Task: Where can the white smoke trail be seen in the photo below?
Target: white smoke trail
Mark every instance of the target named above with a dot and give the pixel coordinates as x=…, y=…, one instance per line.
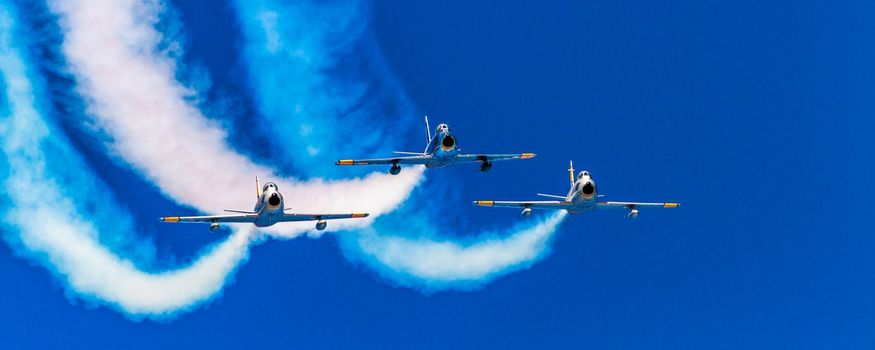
x=45, y=225
x=296, y=41
x=439, y=263
x=157, y=130
x=111, y=47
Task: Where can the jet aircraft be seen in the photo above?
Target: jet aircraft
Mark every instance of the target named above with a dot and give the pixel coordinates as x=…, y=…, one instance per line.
x=582, y=197
x=269, y=209
x=440, y=151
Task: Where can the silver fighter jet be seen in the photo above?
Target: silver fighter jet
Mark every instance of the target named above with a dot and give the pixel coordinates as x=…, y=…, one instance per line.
x=440, y=151
x=268, y=210
x=582, y=197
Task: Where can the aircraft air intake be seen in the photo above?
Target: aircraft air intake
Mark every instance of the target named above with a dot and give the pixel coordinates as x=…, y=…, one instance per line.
x=448, y=143
x=587, y=191
x=588, y=188
x=274, y=200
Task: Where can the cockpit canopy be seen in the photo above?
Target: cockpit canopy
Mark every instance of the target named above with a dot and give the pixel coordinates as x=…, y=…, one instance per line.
x=582, y=174
x=443, y=127
x=269, y=185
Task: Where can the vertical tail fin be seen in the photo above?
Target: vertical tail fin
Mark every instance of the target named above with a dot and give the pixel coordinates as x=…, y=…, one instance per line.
x=427, y=131
x=427, y=134
x=257, y=188
x=571, y=172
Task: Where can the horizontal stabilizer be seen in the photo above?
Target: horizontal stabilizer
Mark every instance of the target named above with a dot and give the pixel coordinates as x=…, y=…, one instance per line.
x=409, y=153
x=551, y=195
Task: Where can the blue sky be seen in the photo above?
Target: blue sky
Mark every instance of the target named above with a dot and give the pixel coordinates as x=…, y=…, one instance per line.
x=753, y=115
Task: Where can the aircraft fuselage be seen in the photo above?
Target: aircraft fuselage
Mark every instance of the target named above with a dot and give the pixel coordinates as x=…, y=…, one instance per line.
x=270, y=206
x=442, y=147
x=583, y=194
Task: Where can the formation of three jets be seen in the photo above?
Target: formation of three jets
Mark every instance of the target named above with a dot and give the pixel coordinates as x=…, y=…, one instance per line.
x=441, y=150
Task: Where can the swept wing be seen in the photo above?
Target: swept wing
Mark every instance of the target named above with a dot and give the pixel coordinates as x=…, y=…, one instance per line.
x=470, y=158
x=420, y=159
x=632, y=205
x=526, y=204
x=252, y=217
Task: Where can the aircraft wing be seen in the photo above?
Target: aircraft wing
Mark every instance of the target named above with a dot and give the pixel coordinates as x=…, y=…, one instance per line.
x=252, y=217
x=309, y=217
x=465, y=158
x=419, y=159
x=211, y=218
x=526, y=204
x=631, y=205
